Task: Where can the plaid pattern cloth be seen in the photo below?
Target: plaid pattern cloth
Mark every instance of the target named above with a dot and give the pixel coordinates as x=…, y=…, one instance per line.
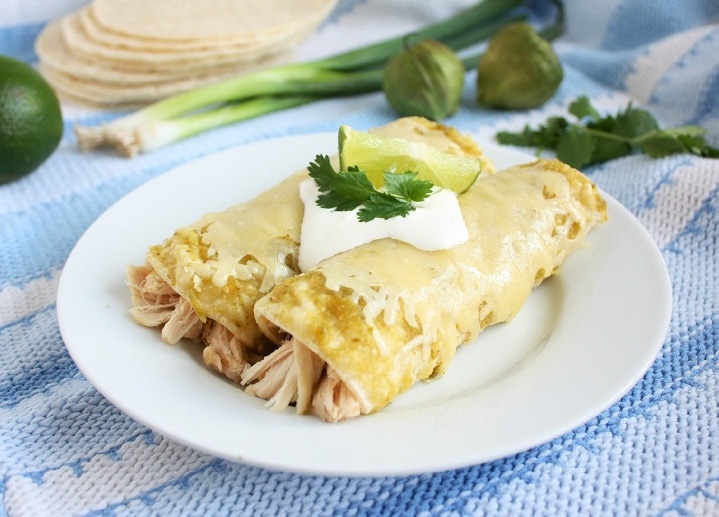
x=65, y=450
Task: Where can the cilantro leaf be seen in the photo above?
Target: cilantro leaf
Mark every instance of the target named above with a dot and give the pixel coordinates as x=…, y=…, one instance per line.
x=594, y=138
x=347, y=190
x=384, y=206
x=659, y=143
x=343, y=192
x=581, y=108
x=322, y=172
x=609, y=149
x=406, y=186
x=662, y=142
x=575, y=147
x=634, y=122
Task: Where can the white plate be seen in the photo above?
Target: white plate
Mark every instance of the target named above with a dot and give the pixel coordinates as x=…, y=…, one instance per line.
x=582, y=340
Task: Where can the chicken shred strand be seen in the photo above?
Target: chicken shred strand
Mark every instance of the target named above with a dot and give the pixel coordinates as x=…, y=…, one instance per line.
x=183, y=323
x=293, y=373
x=153, y=300
x=224, y=352
x=156, y=304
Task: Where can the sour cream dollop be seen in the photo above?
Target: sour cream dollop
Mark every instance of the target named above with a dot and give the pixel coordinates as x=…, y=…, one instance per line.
x=436, y=224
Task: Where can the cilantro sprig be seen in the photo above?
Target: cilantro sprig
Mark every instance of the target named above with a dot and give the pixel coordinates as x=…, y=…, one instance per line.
x=351, y=189
x=593, y=138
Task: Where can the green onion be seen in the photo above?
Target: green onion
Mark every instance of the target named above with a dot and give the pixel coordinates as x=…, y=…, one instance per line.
x=286, y=86
x=470, y=19
x=158, y=133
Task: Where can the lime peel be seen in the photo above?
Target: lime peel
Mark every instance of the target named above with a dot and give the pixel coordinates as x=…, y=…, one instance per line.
x=375, y=155
x=31, y=124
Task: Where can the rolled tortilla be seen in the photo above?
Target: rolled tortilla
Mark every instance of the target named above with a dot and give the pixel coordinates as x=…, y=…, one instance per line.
x=366, y=324
x=203, y=281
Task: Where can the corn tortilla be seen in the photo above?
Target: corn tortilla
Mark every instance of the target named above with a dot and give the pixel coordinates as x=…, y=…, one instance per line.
x=118, y=94
x=54, y=55
x=79, y=44
x=129, y=53
x=240, y=21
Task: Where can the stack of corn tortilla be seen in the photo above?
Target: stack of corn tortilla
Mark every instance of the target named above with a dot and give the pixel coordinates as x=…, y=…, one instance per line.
x=128, y=53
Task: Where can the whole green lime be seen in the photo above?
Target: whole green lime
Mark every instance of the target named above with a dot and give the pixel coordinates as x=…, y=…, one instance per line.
x=30, y=119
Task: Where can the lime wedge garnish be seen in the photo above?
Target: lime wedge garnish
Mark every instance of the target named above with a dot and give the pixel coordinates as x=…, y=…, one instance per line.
x=376, y=154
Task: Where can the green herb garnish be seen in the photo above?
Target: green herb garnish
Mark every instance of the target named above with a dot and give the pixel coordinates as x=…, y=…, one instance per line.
x=593, y=138
x=351, y=189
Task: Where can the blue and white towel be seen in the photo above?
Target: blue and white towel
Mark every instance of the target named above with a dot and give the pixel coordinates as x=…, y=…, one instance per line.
x=65, y=450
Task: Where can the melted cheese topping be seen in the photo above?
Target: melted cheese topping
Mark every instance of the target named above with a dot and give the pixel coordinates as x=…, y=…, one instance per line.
x=520, y=234
x=258, y=241
x=387, y=314
x=226, y=260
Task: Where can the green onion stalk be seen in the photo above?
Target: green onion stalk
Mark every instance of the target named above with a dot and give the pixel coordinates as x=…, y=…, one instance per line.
x=285, y=86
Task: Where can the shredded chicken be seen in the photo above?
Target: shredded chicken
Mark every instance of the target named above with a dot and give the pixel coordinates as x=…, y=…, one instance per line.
x=290, y=375
x=156, y=304
x=184, y=323
x=153, y=300
x=224, y=352
x=270, y=376
x=333, y=401
x=295, y=374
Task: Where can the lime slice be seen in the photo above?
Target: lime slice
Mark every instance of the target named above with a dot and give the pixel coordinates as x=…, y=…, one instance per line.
x=376, y=154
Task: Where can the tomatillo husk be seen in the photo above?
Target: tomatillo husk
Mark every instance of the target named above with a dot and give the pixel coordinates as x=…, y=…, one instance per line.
x=425, y=80
x=519, y=70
